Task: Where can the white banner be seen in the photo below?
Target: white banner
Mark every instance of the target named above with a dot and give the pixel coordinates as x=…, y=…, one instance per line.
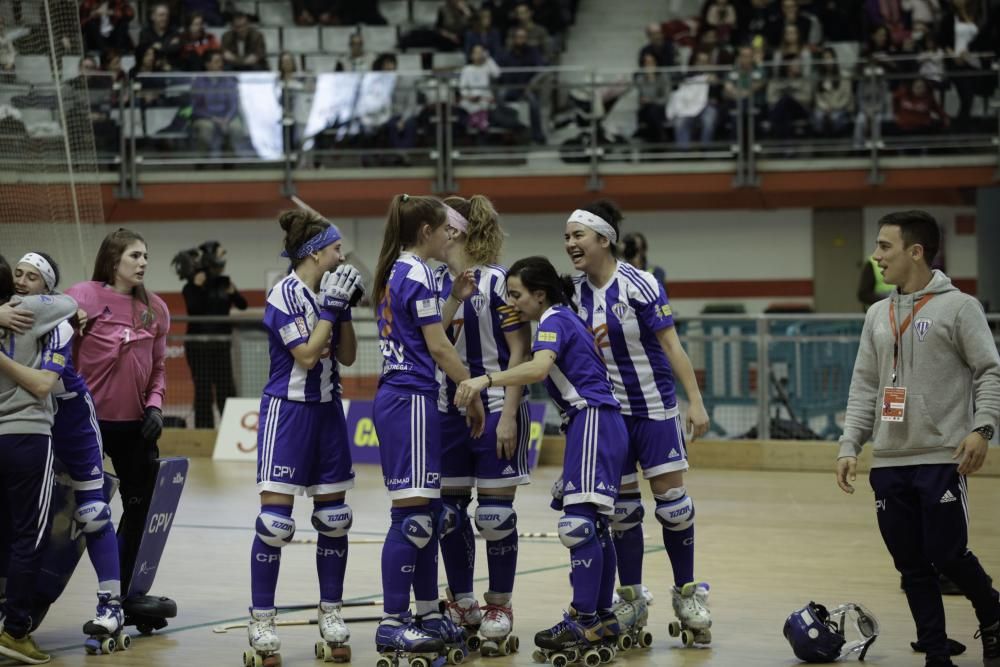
x=237, y=438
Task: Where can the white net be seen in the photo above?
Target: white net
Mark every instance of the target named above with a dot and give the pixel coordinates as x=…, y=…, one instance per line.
x=50, y=192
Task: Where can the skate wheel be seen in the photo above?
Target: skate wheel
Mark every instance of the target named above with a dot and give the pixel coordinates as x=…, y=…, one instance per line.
x=514, y=643
x=538, y=656
x=645, y=639
x=383, y=662
x=504, y=647
x=248, y=658
x=108, y=645
x=474, y=642
x=455, y=656
x=319, y=650
x=419, y=661
x=341, y=653
x=573, y=655
x=687, y=637
x=606, y=654
x=592, y=658
x=124, y=642
x=674, y=629
x=489, y=648
x=625, y=642
x=559, y=660
x=705, y=637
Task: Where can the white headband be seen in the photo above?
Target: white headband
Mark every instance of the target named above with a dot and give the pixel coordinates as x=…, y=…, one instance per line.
x=42, y=264
x=597, y=223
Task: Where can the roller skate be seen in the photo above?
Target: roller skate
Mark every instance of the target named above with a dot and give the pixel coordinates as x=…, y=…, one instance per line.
x=333, y=645
x=264, y=642
x=632, y=611
x=106, y=633
x=498, y=620
x=465, y=613
x=693, y=616
x=397, y=637
x=569, y=641
x=439, y=625
x=612, y=636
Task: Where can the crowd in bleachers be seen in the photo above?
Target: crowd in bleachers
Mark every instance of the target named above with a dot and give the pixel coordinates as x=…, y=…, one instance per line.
x=817, y=68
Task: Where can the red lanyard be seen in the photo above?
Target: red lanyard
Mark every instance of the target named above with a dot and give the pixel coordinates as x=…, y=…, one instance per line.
x=897, y=335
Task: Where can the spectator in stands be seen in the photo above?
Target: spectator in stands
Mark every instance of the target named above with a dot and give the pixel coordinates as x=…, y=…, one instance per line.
x=888, y=13
x=150, y=88
x=926, y=12
x=760, y=18
x=448, y=34
x=475, y=89
x=95, y=98
x=311, y=12
x=210, y=11
x=718, y=52
x=195, y=42
x=960, y=28
x=879, y=51
x=789, y=98
x=634, y=249
x=658, y=45
x=792, y=48
x=654, y=91
x=537, y=36
x=555, y=17
x=521, y=55
x=746, y=81
x=162, y=37
x=721, y=15
x=695, y=103
x=243, y=46
x=215, y=109
x=357, y=59
x=760, y=51
x=834, y=97
x=916, y=109
x=105, y=24
x=792, y=15
x=482, y=33
x=404, y=113
x=931, y=61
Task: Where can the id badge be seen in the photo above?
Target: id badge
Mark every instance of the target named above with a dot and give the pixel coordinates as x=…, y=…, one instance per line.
x=893, y=404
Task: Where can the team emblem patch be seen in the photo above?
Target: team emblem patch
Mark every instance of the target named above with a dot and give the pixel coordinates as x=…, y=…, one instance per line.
x=620, y=309
x=478, y=302
x=921, y=326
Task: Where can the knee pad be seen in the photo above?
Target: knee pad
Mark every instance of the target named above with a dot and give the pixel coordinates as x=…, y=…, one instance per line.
x=628, y=514
x=418, y=529
x=275, y=530
x=333, y=521
x=674, y=509
x=575, y=531
x=453, y=514
x=495, y=522
x=92, y=516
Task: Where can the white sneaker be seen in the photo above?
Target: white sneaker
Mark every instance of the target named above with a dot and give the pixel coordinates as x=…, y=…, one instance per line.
x=332, y=627
x=261, y=632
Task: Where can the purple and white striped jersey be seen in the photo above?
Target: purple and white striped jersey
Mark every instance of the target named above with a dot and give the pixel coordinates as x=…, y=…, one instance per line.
x=579, y=378
x=477, y=331
x=409, y=303
x=625, y=316
x=290, y=316
x=58, y=358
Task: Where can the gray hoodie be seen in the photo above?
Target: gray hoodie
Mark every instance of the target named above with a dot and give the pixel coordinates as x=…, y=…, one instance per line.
x=949, y=365
x=20, y=412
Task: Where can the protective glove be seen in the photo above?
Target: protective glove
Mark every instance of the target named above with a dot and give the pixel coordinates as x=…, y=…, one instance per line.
x=152, y=424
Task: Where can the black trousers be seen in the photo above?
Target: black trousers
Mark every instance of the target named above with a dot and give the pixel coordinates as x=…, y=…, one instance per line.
x=26, y=479
x=133, y=458
x=923, y=517
x=212, y=372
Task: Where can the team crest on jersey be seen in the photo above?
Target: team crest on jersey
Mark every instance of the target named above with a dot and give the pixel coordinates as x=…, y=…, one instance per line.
x=478, y=302
x=922, y=326
x=621, y=310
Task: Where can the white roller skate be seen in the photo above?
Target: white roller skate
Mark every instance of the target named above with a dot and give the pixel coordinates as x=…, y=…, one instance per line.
x=498, y=621
x=106, y=633
x=632, y=611
x=693, y=616
x=398, y=637
x=333, y=645
x=465, y=613
x=264, y=642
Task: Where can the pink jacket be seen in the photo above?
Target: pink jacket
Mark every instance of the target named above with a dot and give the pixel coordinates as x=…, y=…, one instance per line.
x=123, y=365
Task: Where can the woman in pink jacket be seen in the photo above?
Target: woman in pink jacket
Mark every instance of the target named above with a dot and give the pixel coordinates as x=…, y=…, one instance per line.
x=121, y=356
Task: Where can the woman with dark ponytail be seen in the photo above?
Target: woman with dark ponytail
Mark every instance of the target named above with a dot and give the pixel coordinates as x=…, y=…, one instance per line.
x=566, y=358
x=414, y=345
x=489, y=337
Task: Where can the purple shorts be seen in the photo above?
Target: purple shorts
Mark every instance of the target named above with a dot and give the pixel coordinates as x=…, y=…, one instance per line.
x=467, y=461
x=596, y=446
x=409, y=443
x=302, y=448
x=657, y=446
x=76, y=441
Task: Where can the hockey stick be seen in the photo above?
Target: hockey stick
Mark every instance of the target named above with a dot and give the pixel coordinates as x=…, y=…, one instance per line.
x=222, y=629
x=303, y=607
x=528, y=535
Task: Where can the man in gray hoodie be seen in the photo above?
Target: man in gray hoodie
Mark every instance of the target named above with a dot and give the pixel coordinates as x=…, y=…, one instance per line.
x=926, y=390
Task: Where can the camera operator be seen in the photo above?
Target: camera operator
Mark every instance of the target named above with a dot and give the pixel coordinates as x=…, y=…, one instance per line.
x=208, y=292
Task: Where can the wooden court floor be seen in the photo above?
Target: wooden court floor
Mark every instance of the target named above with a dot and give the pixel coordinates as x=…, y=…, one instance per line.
x=768, y=542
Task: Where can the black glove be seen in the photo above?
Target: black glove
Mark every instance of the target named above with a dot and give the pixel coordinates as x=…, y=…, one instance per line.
x=152, y=424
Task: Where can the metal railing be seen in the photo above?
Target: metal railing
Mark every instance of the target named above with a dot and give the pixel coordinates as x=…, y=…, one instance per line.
x=761, y=377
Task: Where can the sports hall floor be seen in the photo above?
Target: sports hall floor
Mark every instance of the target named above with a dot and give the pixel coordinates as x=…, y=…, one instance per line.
x=768, y=542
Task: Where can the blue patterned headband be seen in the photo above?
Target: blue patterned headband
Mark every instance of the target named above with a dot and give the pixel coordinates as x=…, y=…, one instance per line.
x=328, y=236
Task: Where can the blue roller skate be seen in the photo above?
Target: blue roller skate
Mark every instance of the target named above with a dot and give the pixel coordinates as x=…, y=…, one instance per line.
x=106, y=633
x=439, y=625
x=398, y=637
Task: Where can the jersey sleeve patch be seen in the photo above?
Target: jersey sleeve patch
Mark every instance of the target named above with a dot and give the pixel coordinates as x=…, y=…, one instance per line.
x=547, y=336
x=427, y=307
x=294, y=330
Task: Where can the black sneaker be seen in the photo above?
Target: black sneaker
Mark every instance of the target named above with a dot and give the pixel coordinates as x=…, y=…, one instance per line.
x=954, y=647
x=991, y=644
x=939, y=662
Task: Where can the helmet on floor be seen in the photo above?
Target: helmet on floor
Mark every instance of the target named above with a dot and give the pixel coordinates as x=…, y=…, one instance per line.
x=817, y=634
